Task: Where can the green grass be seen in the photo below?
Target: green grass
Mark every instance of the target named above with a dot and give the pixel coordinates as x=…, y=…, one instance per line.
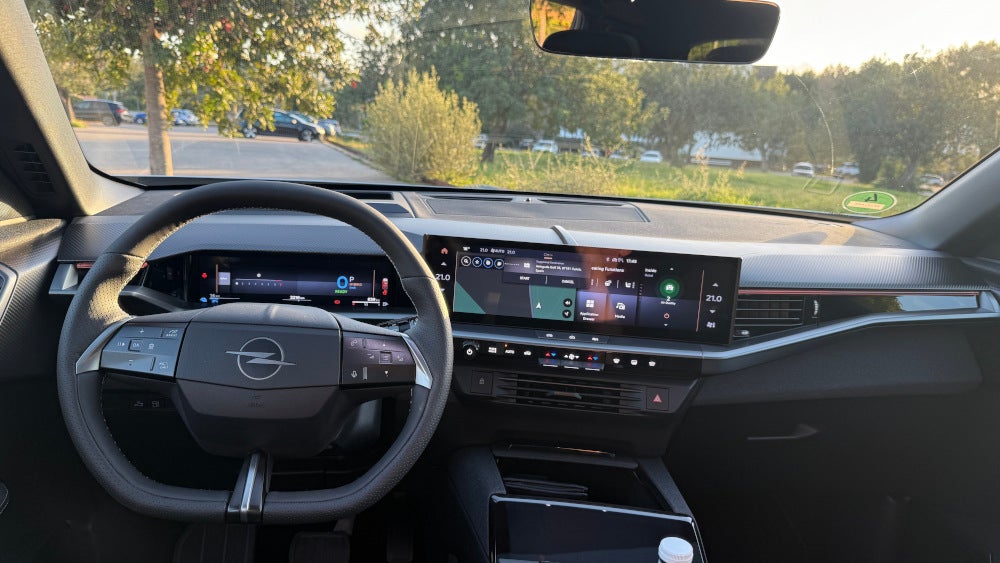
x=569, y=173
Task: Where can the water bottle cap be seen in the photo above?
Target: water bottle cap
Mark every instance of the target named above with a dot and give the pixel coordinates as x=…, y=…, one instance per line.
x=676, y=550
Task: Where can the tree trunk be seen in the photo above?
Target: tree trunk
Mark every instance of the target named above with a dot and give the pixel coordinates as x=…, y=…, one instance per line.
x=763, y=159
x=908, y=173
x=161, y=162
x=67, y=101
x=489, y=152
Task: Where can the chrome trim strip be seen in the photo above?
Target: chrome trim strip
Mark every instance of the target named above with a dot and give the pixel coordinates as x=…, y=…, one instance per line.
x=856, y=293
x=90, y=360
x=423, y=377
x=989, y=309
x=248, y=487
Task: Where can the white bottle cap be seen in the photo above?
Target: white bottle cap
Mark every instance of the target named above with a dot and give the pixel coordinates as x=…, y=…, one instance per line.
x=675, y=550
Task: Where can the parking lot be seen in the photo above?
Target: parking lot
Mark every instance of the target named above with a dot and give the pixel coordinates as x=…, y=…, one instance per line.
x=197, y=151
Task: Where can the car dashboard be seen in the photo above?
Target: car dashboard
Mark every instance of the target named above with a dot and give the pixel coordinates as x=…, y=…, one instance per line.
x=629, y=309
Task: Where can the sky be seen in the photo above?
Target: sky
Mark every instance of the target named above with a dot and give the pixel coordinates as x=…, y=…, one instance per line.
x=817, y=33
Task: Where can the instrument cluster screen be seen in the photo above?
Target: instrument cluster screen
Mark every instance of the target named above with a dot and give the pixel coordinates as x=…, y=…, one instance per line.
x=336, y=283
x=598, y=290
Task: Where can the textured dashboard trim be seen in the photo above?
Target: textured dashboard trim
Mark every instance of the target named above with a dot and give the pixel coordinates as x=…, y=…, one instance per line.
x=8, y=279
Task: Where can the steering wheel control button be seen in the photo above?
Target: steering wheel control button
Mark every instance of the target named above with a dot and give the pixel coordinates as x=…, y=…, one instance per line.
x=127, y=361
x=385, y=360
x=143, y=349
x=140, y=331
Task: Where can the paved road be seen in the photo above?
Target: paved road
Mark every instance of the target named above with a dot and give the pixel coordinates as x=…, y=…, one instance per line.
x=202, y=152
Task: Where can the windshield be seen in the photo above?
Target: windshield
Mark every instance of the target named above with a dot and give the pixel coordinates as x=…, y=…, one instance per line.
x=868, y=109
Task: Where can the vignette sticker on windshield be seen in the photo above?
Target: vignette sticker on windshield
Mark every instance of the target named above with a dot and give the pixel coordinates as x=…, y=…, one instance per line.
x=869, y=202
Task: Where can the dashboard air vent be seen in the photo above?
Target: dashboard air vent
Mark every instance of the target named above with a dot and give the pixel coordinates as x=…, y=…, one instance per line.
x=31, y=169
x=569, y=393
x=763, y=314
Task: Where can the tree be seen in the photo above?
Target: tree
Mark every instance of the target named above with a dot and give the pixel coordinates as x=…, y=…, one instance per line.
x=420, y=132
x=698, y=98
x=767, y=122
x=488, y=55
x=74, y=70
x=246, y=55
x=606, y=102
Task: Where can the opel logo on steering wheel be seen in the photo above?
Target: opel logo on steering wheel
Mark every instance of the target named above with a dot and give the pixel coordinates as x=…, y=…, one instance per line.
x=260, y=358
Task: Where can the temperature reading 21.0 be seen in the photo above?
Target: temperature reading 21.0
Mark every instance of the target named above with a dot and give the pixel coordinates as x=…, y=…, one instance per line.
x=713, y=298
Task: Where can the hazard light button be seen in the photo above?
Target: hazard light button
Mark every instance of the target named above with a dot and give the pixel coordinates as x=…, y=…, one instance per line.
x=657, y=399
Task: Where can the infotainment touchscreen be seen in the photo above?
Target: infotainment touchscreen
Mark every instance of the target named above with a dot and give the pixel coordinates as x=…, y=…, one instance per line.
x=584, y=289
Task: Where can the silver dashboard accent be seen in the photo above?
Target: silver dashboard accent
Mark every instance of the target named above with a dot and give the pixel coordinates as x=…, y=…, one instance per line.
x=248, y=487
x=720, y=359
x=90, y=360
x=423, y=377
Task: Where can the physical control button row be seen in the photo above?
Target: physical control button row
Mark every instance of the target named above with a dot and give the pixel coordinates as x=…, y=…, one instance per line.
x=144, y=349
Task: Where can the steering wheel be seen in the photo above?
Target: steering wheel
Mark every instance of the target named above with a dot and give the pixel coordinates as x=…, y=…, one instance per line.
x=252, y=380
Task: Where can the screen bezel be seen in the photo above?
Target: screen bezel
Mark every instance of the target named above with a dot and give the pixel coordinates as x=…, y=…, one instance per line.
x=432, y=243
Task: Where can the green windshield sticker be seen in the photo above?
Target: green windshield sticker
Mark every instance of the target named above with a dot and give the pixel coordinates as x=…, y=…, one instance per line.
x=869, y=202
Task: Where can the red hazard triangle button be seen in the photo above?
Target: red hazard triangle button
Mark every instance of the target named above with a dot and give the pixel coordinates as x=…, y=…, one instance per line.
x=657, y=399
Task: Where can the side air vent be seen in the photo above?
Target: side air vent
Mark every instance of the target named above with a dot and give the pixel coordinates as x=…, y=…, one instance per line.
x=763, y=314
x=569, y=393
x=31, y=169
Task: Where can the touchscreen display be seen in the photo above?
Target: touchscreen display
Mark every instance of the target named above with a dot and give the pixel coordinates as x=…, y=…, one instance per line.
x=599, y=290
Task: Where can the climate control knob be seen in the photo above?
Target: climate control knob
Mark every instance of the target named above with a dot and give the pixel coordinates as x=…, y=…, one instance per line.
x=470, y=349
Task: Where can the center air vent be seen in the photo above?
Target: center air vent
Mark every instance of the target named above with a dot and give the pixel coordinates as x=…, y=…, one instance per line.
x=31, y=169
x=763, y=314
x=569, y=393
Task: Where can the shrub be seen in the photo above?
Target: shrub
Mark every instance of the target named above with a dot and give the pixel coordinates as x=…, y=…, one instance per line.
x=421, y=133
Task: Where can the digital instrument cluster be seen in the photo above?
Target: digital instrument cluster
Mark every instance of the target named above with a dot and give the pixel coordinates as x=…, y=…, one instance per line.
x=337, y=283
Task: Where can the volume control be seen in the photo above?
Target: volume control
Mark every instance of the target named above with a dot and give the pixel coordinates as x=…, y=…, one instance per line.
x=470, y=349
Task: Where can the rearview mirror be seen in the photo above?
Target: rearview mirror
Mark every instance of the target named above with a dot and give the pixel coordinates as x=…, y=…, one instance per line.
x=704, y=31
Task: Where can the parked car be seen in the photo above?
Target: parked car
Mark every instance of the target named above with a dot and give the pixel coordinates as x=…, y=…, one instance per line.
x=847, y=169
x=651, y=156
x=932, y=180
x=184, y=117
x=525, y=144
x=286, y=124
x=591, y=152
x=804, y=169
x=179, y=117
x=548, y=146
x=618, y=155
x=108, y=112
x=332, y=127
x=480, y=141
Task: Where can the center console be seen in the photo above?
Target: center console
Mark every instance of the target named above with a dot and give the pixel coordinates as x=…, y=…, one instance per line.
x=581, y=328
x=614, y=335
